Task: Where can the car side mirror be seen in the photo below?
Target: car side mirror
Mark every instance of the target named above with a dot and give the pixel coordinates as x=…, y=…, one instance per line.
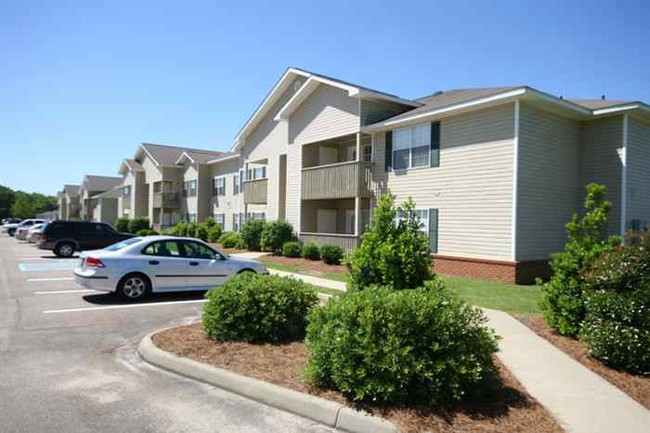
x=218, y=256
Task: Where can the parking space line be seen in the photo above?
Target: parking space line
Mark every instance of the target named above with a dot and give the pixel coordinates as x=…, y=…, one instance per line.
x=117, y=307
x=38, y=280
x=58, y=292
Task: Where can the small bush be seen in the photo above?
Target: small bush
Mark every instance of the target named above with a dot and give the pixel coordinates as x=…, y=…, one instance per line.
x=147, y=232
x=332, y=254
x=399, y=347
x=214, y=233
x=231, y=240
x=251, y=233
x=191, y=230
x=210, y=223
x=258, y=309
x=201, y=232
x=617, y=322
x=137, y=224
x=310, y=251
x=181, y=229
x=291, y=249
x=274, y=236
x=122, y=225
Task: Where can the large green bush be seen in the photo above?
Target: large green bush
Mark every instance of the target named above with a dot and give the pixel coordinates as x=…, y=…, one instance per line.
x=251, y=233
x=274, y=235
x=147, y=232
x=617, y=322
x=190, y=231
x=201, y=232
x=563, y=296
x=399, y=347
x=210, y=222
x=122, y=225
x=137, y=224
x=310, y=251
x=258, y=309
x=214, y=233
x=180, y=229
x=392, y=254
x=291, y=249
x=231, y=240
x=332, y=254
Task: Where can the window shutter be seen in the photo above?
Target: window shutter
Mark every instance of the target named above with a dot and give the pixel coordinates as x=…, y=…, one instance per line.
x=435, y=144
x=433, y=230
x=389, y=151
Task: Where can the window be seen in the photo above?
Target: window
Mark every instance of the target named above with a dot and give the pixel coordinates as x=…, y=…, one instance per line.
x=125, y=243
x=235, y=184
x=189, y=188
x=255, y=216
x=412, y=147
x=189, y=217
x=195, y=250
x=126, y=191
x=235, y=222
x=367, y=153
x=163, y=249
x=220, y=219
x=428, y=224
x=219, y=186
x=256, y=173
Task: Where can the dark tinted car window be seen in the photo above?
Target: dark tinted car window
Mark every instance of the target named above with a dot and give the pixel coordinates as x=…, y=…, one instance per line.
x=195, y=250
x=163, y=249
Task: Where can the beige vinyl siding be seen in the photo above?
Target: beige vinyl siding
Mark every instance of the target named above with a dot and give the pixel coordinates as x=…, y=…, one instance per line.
x=548, y=181
x=472, y=187
x=376, y=111
x=190, y=204
x=328, y=112
x=128, y=179
x=230, y=203
x=638, y=171
x=294, y=175
x=600, y=141
x=152, y=174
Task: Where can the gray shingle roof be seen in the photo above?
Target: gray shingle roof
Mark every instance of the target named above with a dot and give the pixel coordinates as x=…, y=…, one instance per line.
x=71, y=189
x=224, y=156
x=165, y=154
x=595, y=104
x=101, y=183
x=203, y=156
x=111, y=193
x=133, y=164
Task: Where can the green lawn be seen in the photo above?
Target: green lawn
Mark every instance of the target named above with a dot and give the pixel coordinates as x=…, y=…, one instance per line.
x=498, y=296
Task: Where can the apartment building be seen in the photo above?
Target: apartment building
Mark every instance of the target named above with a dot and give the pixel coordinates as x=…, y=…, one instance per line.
x=89, y=193
x=69, y=206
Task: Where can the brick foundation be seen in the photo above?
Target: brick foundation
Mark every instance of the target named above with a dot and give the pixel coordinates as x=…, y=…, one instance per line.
x=492, y=270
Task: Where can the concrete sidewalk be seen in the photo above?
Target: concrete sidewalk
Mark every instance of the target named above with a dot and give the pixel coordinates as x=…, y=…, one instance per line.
x=579, y=399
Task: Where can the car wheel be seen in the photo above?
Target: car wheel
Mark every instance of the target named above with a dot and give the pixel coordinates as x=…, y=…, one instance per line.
x=64, y=249
x=134, y=286
x=11, y=232
x=246, y=271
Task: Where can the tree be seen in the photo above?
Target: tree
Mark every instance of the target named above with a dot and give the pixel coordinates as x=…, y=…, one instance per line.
x=29, y=205
x=7, y=197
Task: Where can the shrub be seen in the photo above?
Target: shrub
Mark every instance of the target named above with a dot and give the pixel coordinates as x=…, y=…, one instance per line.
x=147, y=232
x=251, y=233
x=191, y=230
x=231, y=240
x=201, y=232
x=214, y=233
x=392, y=254
x=258, y=309
x=617, y=322
x=122, y=225
x=310, y=251
x=562, y=300
x=274, y=235
x=210, y=222
x=291, y=249
x=137, y=224
x=332, y=254
x=181, y=229
x=398, y=347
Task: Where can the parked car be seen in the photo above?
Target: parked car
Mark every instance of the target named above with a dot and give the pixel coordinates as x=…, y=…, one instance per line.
x=34, y=234
x=12, y=229
x=136, y=267
x=10, y=221
x=66, y=237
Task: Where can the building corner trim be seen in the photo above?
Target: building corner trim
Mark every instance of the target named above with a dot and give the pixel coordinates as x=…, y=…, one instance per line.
x=515, y=178
x=624, y=177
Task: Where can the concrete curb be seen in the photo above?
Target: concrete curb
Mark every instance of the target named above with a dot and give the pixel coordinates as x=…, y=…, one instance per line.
x=323, y=411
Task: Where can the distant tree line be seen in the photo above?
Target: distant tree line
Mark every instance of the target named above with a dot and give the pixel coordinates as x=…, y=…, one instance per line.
x=20, y=204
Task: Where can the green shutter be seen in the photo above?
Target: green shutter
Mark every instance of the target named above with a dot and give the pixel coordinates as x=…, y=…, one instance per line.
x=435, y=144
x=433, y=230
x=389, y=151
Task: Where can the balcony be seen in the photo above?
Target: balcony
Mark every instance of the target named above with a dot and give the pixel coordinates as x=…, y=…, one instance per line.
x=333, y=181
x=255, y=191
x=347, y=242
x=171, y=200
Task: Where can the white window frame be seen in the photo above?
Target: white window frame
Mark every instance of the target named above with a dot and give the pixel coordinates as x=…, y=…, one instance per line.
x=424, y=220
x=414, y=132
x=219, y=185
x=220, y=218
x=235, y=183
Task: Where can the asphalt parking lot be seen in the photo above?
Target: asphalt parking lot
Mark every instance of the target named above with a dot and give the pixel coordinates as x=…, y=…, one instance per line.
x=68, y=360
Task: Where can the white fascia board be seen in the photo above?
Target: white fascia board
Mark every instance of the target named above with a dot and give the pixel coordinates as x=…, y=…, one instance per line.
x=618, y=108
x=149, y=154
x=227, y=158
x=184, y=155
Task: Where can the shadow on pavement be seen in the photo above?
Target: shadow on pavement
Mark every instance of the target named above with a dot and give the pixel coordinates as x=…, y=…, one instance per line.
x=113, y=299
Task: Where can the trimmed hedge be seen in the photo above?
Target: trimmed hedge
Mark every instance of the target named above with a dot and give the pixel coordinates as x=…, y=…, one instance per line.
x=274, y=235
x=291, y=249
x=122, y=225
x=310, y=251
x=400, y=347
x=214, y=233
x=137, y=224
x=231, y=240
x=258, y=309
x=251, y=233
x=332, y=254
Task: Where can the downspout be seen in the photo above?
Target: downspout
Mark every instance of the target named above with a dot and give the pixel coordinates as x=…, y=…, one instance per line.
x=515, y=178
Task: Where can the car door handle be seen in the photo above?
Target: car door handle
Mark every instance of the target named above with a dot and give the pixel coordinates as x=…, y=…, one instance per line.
x=154, y=262
x=194, y=263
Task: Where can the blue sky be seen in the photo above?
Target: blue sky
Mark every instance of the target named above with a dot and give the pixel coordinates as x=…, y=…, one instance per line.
x=83, y=82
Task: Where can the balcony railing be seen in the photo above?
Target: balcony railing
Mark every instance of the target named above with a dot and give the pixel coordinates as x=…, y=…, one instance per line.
x=256, y=191
x=347, y=242
x=167, y=200
x=342, y=180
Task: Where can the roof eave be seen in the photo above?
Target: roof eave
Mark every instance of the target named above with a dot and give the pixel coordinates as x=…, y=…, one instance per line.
x=226, y=158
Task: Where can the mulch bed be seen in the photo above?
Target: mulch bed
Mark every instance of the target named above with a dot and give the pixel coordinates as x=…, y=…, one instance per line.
x=637, y=387
x=308, y=265
x=509, y=409
x=229, y=250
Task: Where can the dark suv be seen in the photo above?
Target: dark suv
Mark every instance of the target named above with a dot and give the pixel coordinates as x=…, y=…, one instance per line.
x=66, y=237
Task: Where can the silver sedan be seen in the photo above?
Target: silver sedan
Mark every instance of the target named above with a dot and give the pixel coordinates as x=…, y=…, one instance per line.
x=138, y=266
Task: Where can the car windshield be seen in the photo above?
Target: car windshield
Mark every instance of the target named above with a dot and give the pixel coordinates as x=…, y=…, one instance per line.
x=122, y=244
